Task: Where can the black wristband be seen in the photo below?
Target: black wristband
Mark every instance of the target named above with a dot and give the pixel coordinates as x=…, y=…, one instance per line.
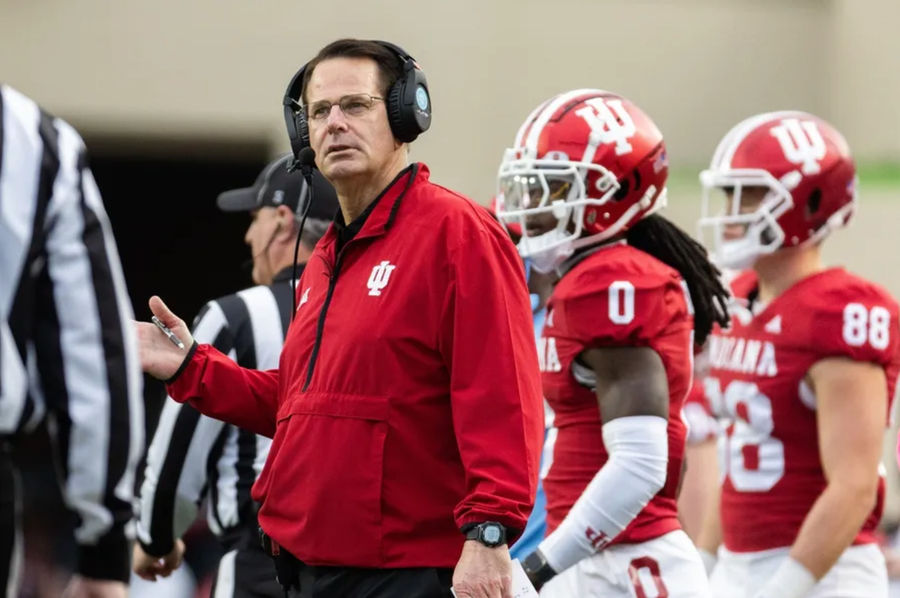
x=184, y=364
x=538, y=569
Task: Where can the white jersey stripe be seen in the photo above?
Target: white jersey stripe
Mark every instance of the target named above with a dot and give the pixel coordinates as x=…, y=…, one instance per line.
x=68, y=350
x=225, y=576
x=207, y=457
x=265, y=323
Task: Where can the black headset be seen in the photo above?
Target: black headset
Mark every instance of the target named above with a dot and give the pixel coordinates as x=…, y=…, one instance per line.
x=408, y=103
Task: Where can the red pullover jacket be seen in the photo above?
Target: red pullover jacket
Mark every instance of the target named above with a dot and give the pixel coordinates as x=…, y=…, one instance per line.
x=407, y=402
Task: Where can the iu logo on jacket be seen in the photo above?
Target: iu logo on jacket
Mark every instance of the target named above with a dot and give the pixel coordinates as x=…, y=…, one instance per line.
x=379, y=277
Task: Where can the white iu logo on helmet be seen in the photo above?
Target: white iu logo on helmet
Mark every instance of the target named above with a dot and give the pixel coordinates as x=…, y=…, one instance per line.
x=607, y=127
x=802, y=143
x=379, y=277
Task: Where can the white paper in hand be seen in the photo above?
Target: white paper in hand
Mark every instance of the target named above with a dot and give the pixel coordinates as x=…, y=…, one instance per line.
x=521, y=587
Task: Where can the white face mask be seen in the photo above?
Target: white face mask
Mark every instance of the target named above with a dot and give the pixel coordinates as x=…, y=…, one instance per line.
x=762, y=233
x=547, y=251
x=739, y=254
x=762, y=236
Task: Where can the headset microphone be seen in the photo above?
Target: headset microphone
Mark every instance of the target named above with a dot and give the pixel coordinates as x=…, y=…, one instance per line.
x=306, y=161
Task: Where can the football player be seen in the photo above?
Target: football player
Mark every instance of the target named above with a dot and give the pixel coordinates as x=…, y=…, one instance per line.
x=583, y=181
x=805, y=372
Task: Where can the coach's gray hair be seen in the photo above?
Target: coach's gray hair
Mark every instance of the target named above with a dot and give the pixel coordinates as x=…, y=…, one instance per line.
x=313, y=230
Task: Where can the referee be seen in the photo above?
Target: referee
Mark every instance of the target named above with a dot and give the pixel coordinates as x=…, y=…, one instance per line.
x=193, y=456
x=67, y=347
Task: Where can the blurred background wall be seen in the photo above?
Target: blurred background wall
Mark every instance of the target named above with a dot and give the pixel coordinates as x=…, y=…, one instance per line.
x=202, y=81
x=216, y=69
x=179, y=100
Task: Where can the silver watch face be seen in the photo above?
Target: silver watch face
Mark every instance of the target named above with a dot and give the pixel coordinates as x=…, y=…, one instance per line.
x=491, y=534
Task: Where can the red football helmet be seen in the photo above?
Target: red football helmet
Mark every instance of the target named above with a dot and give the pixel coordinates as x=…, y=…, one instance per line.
x=805, y=168
x=585, y=166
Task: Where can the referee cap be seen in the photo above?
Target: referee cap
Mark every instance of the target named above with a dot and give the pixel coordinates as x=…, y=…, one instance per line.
x=276, y=186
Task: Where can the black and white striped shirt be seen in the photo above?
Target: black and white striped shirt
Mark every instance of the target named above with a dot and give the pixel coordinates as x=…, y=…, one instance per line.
x=68, y=351
x=191, y=455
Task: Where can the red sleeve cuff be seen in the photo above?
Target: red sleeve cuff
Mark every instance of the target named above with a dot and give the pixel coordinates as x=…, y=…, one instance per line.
x=181, y=386
x=184, y=363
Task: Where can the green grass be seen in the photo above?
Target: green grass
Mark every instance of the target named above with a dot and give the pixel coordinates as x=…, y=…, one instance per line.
x=875, y=174
x=882, y=175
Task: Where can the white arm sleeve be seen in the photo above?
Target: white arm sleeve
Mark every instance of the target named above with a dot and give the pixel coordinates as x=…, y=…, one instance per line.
x=790, y=580
x=636, y=470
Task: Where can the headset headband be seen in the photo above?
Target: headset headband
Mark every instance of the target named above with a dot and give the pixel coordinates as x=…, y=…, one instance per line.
x=408, y=103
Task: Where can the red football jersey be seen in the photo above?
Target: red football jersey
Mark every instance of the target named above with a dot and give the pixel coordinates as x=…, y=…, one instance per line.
x=768, y=451
x=618, y=296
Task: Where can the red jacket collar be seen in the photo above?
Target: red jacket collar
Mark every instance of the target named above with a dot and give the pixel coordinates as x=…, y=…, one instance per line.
x=383, y=213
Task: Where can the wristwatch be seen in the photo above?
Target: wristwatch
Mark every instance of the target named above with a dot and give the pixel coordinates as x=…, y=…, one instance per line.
x=537, y=569
x=489, y=533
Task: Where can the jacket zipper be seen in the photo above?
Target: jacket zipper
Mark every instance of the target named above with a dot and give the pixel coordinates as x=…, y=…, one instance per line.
x=320, y=325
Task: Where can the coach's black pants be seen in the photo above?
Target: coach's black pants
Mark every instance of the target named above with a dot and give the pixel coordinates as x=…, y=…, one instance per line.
x=350, y=582
x=10, y=534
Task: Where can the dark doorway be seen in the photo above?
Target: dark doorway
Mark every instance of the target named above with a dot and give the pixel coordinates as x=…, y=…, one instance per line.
x=172, y=239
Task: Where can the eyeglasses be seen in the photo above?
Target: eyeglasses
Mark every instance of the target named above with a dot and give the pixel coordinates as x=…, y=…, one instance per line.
x=354, y=105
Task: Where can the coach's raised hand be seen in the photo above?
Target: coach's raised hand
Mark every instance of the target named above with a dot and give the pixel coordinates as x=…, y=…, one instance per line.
x=161, y=355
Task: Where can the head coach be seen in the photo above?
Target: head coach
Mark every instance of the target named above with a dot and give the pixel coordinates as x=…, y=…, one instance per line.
x=406, y=411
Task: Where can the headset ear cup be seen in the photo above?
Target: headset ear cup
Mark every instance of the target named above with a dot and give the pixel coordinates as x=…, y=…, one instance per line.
x=419, y=101
x=398, y=124
x=407, y=117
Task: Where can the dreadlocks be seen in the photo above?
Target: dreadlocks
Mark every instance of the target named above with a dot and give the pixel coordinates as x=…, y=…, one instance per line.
x=669, y=244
